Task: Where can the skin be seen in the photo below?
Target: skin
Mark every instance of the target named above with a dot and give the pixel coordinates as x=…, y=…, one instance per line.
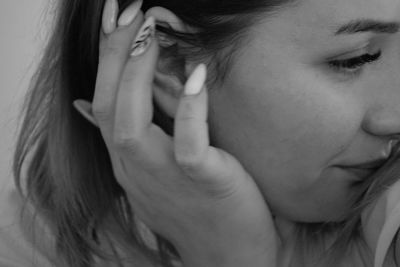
x=194, y=195
x=290, y=119
x=282, y=113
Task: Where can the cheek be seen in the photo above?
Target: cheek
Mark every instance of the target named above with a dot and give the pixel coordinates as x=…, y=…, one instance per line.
x=284, y=126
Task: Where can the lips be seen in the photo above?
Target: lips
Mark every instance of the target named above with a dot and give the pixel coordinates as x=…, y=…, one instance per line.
x=374, y=164
x=360, y=173
x=377, y=162
x=368, y=168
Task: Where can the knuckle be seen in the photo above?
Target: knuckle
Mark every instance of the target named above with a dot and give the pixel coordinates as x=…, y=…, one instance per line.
x=129, y=73
x=128, y=78
x=190, y=153
x=101, y=106
x=104, y=89
x=189, y=162
x=186, y=110
x=131, y=144
x=110, y=47
x=100, y=112
x=187, y=117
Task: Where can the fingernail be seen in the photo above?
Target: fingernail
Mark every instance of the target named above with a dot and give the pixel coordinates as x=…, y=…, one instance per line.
x=110, y=14
x=144, y=37
x=196, y=80
x=130, y=13
x=85, y=109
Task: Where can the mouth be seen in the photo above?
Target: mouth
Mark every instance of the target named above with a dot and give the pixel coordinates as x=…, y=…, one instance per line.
x=363, y=170
x=360, y=174
x=370, y=165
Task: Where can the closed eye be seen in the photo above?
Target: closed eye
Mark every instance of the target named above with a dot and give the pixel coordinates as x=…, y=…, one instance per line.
x=355, y=64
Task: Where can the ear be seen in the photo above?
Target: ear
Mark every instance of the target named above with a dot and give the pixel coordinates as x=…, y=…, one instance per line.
x=172, y=68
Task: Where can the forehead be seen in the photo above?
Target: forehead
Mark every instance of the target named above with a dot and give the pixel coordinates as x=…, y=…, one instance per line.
x=330, y=13
x=313, y=23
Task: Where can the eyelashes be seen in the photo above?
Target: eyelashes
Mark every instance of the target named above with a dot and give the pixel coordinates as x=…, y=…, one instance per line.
x=352, y=65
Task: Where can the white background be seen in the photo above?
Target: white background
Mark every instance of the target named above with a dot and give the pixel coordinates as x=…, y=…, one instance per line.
x=22, y=34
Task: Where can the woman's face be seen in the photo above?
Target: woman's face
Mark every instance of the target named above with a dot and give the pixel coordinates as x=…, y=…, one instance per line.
x=316, y=87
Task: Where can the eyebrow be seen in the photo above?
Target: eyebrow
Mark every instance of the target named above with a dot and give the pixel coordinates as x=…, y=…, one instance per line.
x=357, y=26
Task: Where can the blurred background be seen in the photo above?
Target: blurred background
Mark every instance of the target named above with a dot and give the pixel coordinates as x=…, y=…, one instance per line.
x=22, y=34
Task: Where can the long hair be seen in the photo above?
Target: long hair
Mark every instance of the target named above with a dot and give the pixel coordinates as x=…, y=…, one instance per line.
x=69, y=176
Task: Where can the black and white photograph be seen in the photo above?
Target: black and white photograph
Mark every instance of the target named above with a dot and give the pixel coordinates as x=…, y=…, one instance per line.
x=200, y=133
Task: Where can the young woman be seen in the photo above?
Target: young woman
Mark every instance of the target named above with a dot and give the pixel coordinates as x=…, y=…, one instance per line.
x=222, y=133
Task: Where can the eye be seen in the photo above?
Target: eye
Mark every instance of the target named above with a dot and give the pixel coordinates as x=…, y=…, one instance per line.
x=353, y=65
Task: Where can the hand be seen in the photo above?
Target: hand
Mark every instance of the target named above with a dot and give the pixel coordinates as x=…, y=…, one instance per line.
x=198, y=197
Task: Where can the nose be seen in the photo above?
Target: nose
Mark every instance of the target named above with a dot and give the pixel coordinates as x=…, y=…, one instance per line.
x=384, y=121
x=382, y=117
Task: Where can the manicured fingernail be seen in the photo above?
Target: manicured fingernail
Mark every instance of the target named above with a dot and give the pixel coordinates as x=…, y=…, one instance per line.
x=85, y=109
x=196, y=81
x=144, y=37
x=110, y=14
x=130, y=13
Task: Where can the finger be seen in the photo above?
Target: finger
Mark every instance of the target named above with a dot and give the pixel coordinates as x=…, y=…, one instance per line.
x=191, y=140
x=113, y=54
x=134, y=111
